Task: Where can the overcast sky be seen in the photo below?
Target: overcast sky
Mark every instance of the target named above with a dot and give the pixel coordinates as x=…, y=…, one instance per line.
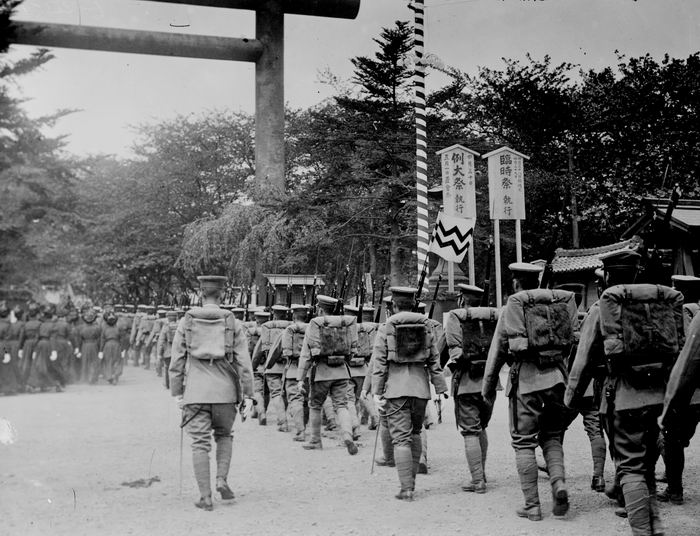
x=117, y=90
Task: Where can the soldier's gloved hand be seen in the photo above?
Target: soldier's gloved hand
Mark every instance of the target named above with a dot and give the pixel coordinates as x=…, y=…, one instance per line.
x=379, y=401
x=246, y=408
x=301, y=387
x=364, y=394
x=53, y=356
x=100, y=355
x=20, y=354
x=179, y=401
x=6, y=358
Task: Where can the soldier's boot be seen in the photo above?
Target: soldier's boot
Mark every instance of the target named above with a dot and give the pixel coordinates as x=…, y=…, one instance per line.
x=598, y=455
x=387, y=447
x=554, y=458
x=200, y=463
x=472, y=450
x=423, y=461
x=484, y=443
x=224, y=450
x=416, y=453
x=329, y=412
x=260, y=406
x=314, y=441
x=526, y=464
x=346, y=427
x=674, y=460
x=297, y=417
x=404, y=466
x=657, y=527
x=354, y=421
x=638, y=505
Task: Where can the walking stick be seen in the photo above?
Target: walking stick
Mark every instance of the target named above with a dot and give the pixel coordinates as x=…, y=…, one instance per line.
x=374, y=452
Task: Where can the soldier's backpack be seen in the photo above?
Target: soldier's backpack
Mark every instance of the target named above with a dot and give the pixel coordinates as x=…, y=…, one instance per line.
x=366, y=332
x=332, y=339
x=478, y=325
x=642, y=327
x=539, y=325
x=270, y=331
x=689, y=312
x=292, y=339
x=208, y=333
x=408, y=338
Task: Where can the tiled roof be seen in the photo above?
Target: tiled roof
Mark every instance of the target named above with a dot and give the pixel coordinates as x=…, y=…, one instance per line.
x=686, y=215
x=296, y=280
x=579, y=260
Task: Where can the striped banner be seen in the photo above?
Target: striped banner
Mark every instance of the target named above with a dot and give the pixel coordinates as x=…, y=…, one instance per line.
x=421, y=135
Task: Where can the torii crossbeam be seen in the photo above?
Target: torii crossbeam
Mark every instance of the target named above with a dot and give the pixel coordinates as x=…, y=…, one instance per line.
x=266, y=50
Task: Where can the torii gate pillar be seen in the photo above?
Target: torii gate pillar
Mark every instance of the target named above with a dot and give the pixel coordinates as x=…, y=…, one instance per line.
x=269, y=96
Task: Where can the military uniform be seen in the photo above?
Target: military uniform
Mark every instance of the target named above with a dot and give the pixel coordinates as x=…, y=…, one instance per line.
x=466, y=362
x=677, y=435
x=15, y=342
x=210, y=379
x=31, y=336
x=152, y=339
x=133, y=341
x=329, y=342
x=8, y=378
x=144, y=341
x=165, y=343
x=405, y=360
x=270, y=333
x=290, y=343
x=45, y=373
x=110, y=348
x=536, y=382
x=252, y=331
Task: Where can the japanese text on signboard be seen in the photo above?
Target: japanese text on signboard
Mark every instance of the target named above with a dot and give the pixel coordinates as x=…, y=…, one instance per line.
x=506, y=186
x=458, y=183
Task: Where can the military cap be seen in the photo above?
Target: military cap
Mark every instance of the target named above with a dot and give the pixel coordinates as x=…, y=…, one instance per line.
x=299, y=307
x=624, y=258
x=150, y=308
x=386, y=299
x=142, y=307
x=599, y=273
x=227, y=306
x=171, y=314
x=688, y=285
x=280, y=308
x=403, y=292
x=212, y=282
x=366, y=308
x=525, y=268
x=89, y=315
x=470, y=289
x=237, y=309
x=421, y=307
x=326, y=300
x=262, y=313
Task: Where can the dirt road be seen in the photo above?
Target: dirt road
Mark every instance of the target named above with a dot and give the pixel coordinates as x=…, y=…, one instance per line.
x=75, y=451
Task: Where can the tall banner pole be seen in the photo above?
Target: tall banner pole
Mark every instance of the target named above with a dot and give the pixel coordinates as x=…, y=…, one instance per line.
x=518, y=242
x=421, y=136
x=497, y=261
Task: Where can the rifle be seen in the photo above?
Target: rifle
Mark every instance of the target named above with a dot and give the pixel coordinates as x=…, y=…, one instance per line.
x=312, y=302
x=268, y=305
x=378, y=314
x=485, y=297
x=655, y=264
x=362, y=299
x=289, y=300
x=247, y=291
x=421, y=282
x=339, y=307
x=435, y=295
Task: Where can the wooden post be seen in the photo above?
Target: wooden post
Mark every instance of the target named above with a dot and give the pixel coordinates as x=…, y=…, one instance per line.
x=472, y=270
x=518, y=242
x=497, y=258
x=269, y=96
x=450, y=276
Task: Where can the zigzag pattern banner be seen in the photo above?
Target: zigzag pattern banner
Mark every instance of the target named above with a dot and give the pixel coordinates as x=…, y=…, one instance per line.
x=452, y=238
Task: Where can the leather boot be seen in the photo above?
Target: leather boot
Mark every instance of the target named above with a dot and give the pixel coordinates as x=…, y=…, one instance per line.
x=472, y=450
x=526, y=463
x=314, y=441
x=554, y=458
x=416, y=452
x=674, y=460
x=346, y=426
x=423, y=461
x=387, y=446
x=404, y=466
x=260, y=407
x=638, y=506
x=224, y=450
x=200, y=464
x=598, y=455
x=657, y=527
x=484, y=442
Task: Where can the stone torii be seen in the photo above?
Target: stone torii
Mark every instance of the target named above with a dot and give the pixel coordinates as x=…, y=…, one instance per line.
x=266, y=51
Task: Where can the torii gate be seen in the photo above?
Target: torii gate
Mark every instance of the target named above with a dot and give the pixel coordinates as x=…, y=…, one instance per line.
x=266, y=50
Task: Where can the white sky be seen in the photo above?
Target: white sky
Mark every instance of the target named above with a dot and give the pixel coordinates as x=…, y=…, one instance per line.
x=117, y=90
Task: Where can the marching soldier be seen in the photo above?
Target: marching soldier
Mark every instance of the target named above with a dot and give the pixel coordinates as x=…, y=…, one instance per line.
x=291, y=341
x=143, y=339
x=15, y=342
x=8, y=380
x=680, y=430
x=468, y=334
x=405, y=360
x=640, y=327
x=253, y=331
x=152, y=339
x=534, y=334
x=366, y=333
x=133, y=336
x=165, y=342
x=270, y=332
x=125, y=319
x=44, y=356
x=330, y=340
x=31, y=336
x=210, y=374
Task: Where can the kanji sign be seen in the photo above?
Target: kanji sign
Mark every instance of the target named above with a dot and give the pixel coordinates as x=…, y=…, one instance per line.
x=458, y=191
x=506, y=184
